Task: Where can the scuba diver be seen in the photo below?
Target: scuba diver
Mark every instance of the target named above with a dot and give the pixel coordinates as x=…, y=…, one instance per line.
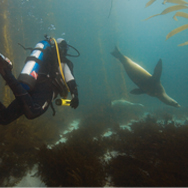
x=47, y=73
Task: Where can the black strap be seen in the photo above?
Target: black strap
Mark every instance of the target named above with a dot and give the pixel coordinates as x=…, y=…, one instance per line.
x=53, y=109
x=31, y=58
x=32, y=49
x=42, y=50
x=25, y=47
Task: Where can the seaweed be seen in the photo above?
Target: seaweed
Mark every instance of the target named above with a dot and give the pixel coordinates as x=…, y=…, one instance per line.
x=19, y=146
x=152, y=153
x=180, y=5
x=77, y=162
x=65, y=166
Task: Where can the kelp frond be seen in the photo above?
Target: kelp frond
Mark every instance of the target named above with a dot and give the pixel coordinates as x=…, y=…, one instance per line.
x=183, y=44
x=173, y=8
x=149, y=3
x=181, y=14
x=170, y=9
x=177, y=30
x=152, y=16
x=179, y=2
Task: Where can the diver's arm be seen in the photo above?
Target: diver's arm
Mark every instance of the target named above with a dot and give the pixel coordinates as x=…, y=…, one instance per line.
x=72, y=86
x=67, y=73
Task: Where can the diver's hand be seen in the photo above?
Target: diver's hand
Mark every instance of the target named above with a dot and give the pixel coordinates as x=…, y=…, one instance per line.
x=74, y=102
x=74, y=92
x=5, y=64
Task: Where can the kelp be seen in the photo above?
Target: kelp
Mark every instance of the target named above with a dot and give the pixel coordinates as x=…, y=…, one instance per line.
x=181, y=14
x=110, y=8
x=180, y=2
x=169, y=9
x=173, y=8
x=20, y=143
x=150, y=3
x=65, y=166
x=152, y=153
x=181, y=5
x=151, y=17
x=177, y=30
x=183, y=44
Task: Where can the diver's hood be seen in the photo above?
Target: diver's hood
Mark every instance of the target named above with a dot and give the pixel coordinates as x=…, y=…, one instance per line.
x=59, y=40
x=62, y=43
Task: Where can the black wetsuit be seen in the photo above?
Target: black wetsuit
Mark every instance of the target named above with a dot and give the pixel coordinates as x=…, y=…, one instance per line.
x=31, y=103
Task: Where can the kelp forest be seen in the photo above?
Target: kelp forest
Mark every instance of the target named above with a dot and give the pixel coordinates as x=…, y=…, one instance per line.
x=149, y=153
x=179, y=5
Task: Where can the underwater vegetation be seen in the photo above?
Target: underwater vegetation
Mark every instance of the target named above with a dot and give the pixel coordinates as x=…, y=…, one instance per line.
x=181, y=4
x=67, y=166
x=19, y=144
x=152, y=152
x=111, y=4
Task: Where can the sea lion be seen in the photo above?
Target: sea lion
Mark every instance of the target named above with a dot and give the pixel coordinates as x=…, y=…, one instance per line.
x=147, y=83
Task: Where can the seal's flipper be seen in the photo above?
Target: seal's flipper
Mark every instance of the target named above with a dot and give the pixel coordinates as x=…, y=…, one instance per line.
x=116, y=53
x=137, y=91
x=157, y=71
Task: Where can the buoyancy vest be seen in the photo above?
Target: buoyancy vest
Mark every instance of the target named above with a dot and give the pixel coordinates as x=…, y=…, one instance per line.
x=58, y=82
x=43, y=61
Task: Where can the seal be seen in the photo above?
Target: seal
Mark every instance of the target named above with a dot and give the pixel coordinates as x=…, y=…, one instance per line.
x=147, y=83
x=123, y=102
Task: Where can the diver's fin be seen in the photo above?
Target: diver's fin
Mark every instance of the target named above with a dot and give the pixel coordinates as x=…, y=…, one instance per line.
x=137, y=91
x=157, y=71
x=116, y=53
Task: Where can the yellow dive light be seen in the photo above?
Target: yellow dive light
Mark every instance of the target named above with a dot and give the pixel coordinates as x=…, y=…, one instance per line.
x=62, y=102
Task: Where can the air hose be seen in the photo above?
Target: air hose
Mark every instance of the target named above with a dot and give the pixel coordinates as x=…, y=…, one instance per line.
x=59, y=62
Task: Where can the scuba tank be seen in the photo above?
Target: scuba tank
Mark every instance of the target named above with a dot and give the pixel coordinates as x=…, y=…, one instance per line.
x=29, y=73
x=36, y=60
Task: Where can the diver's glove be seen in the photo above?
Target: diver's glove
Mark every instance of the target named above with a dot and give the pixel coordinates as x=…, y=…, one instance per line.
x=74, y=102
x=5, y=64
x=74, y=92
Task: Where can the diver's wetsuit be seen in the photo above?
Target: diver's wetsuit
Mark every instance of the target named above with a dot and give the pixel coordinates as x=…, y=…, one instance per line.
x=33, y=103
